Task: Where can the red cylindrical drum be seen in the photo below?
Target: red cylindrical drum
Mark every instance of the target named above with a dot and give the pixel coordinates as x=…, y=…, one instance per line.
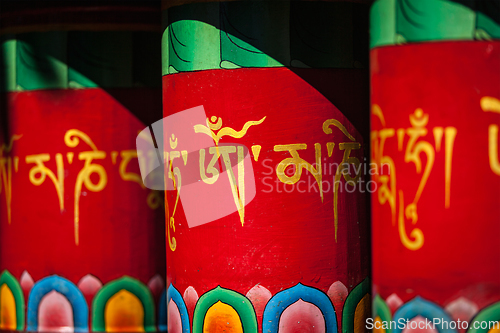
x=81, y=238
x=435, y=114
x=264, y=137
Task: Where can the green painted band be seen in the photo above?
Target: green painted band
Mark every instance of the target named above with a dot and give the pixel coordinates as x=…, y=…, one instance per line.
x=395, y=22
x=260, y=34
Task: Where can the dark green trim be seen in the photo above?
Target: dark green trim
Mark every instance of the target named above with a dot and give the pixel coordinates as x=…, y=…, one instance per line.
x=111, y=288
x=17, y=292
x=351, y=303
x=238, y=302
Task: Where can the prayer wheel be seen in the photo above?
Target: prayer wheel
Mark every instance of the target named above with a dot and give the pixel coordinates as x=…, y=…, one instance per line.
x=435, y=114
x=82, y=241
x=264, y=131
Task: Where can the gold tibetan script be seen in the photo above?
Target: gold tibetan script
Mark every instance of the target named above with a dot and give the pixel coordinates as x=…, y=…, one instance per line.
x=215, y=130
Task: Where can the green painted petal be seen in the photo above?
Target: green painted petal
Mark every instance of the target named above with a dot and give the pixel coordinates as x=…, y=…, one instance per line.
x=228, y=65
x=76, y=85
x=172, y=70
x=111, y=288
x=8, y=65
x=41, y=60
x=17, y=292
x=101, y=59
x=238, y=302
x=351, y=302
x=488, y=314
x=426, y=20
x=383, y=23
x=488, y=26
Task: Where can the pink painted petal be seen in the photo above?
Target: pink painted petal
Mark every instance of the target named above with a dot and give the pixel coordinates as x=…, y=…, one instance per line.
x=26, y=282
x=89, y=285
x=173, y=318
x=337, y=293
x=190, y=298
x=302, y=317
x=393, y=302
x=412, y=326
x=156, y=285
x=462, y=309
x=259, y=296
x=55, y=313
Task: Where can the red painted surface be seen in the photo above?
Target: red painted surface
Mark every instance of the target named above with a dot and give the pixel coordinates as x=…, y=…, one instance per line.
x=287, y=237
x=460, y=254
x=118, y=233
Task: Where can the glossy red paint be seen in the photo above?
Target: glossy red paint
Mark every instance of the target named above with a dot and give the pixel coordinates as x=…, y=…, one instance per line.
x=288, y=235
x=460, y=254
x=119, y=234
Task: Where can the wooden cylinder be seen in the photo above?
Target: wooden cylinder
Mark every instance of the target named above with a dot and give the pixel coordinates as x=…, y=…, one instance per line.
x=265, y=111
x=435, y=113
x=81, y=238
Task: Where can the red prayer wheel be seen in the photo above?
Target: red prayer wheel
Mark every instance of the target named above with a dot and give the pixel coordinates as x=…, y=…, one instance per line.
x=435, y=114
x=82, y=244
x=264, y=135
